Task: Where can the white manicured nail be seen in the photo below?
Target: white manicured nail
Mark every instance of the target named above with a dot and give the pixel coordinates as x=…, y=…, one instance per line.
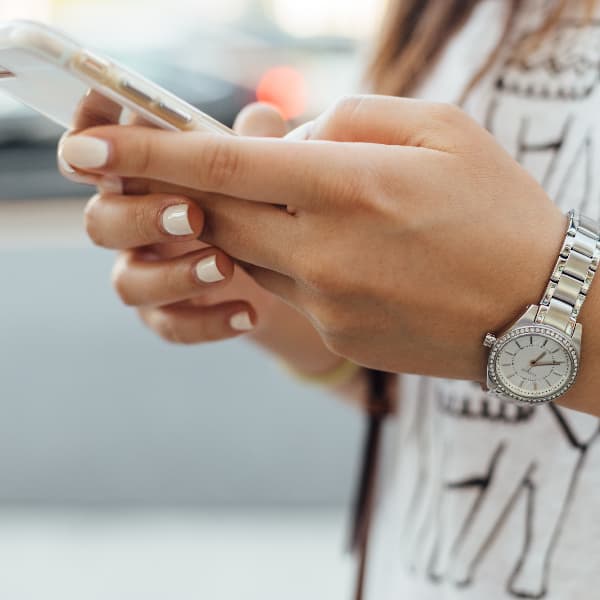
x=64, y=165
x=111, y=184
x=207, y=270
x=241, y=322
x=85, y=152
x=175, y=220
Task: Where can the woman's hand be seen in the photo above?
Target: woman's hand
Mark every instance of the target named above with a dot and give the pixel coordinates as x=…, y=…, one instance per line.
x=186, y=291
x=409, y=231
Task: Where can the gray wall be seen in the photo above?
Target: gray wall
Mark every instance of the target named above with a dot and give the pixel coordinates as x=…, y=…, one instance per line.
x=95, y=410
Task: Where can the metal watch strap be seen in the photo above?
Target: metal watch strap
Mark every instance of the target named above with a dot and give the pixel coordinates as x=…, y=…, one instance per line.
x=572, y=276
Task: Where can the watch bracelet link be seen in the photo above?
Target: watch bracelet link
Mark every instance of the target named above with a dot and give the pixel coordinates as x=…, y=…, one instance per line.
x=572, y=275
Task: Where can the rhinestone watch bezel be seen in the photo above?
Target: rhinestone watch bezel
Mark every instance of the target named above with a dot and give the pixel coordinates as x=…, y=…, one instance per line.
x=497, y=386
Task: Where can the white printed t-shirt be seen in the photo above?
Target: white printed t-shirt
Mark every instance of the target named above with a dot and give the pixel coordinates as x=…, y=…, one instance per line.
x=481, y=499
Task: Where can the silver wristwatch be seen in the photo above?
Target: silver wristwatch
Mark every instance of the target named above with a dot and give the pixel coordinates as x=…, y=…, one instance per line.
x=537, y=358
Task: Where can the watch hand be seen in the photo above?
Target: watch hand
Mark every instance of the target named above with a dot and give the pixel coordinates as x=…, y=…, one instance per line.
x=532, y=362
x=548, y=364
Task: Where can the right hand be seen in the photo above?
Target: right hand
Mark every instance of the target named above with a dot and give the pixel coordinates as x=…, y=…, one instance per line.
x=176, y=303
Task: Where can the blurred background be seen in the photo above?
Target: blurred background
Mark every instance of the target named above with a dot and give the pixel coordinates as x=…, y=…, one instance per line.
x=132, y=469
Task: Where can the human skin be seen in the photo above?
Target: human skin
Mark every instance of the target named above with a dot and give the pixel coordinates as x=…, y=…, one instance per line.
x=409, y=232
x=201, y=313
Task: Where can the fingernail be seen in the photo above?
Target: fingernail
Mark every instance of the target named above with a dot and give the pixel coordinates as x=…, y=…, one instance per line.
x=111, y=184
x=70, y=172
x=175, y=220
x=208, y=271
x=85, y=152
x=73, y=175
x=64, y=165
x=241, y=321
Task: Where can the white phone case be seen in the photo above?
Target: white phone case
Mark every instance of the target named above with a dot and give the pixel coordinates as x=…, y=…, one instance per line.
x=76, y=88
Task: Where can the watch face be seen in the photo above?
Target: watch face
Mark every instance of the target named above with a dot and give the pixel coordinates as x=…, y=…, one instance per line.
x=533, y=364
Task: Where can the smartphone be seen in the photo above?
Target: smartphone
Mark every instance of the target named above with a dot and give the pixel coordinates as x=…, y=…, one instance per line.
x=78, y=88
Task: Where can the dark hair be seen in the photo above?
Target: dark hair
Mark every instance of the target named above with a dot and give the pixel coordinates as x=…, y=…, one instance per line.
x=415, y=33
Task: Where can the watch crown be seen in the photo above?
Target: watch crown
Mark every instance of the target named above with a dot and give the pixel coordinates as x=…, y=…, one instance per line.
x=490, y=340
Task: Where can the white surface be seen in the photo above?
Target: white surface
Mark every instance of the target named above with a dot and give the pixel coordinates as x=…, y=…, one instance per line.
x=42, y=223
x=173, y=556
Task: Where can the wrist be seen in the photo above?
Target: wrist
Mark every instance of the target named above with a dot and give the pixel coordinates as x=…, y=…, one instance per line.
x=529, y=266
x=537, y=358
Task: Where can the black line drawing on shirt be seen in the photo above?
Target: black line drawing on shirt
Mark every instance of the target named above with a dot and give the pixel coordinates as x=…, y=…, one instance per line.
x=512, y=489
x=556, y=89
x=514, y=480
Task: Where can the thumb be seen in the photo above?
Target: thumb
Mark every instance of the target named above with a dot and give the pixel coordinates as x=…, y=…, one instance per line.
x=260, y=120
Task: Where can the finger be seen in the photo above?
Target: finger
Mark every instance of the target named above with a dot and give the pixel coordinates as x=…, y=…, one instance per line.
x=259, y=234
x=257, y=119
x=258, y=169
x=142, y=282
x=172, y=249
x=280, y=285
x=67, y=171
x=134, y=186
x=121, y=222
x=109, y=184
x=260, y=120
x=389, y=120
x=262, y=235
x=302, y=132
x=94, y=110
x=194, y=325
x=134, y=118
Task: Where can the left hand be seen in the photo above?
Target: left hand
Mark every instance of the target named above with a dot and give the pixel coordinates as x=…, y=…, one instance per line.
x=412, y=232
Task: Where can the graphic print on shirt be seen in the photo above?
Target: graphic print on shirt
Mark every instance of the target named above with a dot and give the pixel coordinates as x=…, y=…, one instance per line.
x=516, y=479
x=556, y=90
x=513, y=492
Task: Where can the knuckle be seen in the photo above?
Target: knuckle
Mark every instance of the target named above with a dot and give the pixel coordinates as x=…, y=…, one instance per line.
x=215, y=334
x=167, y=327
x=120, y=282
x=260, y=119
x=142, y=223
x=221, y=163
x=359, y=187
x=335, y=188
x=343, y=112
x=143, y=155
x=177, y=330
x=347, y=106
x=171, y=280
x=351, y=187
x=447, y=115
x=93, y=222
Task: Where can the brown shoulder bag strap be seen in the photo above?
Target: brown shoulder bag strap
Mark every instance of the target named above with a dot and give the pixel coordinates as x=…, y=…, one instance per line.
x=379, y=406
